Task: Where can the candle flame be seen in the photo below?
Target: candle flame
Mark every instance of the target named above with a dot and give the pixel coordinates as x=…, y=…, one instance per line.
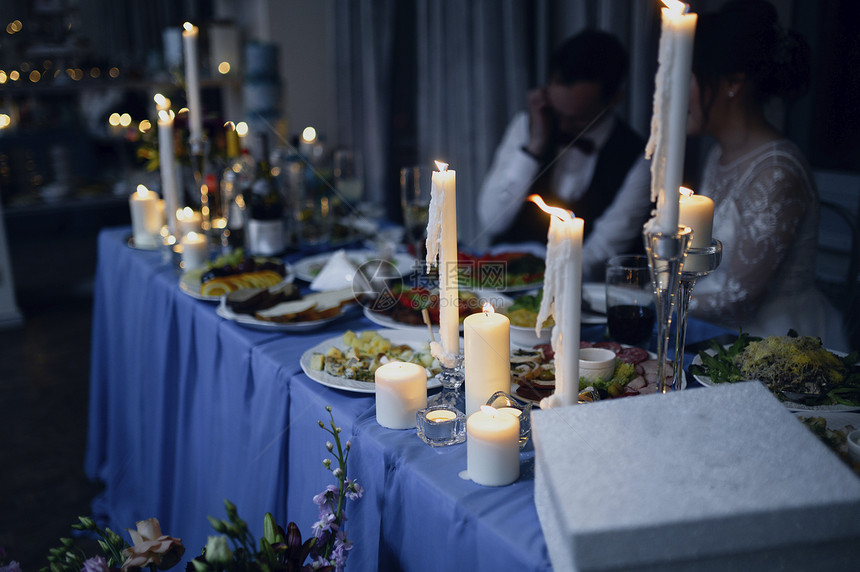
x=161, y=101
x=441, y=166
x=309, y=135
x=489, y=410
x=685, y=192
x=165, y=115
x=189, y=26
x=559, y=212
x=191, y=236
x=142, y=191
x=488, y=308
x=676, y=6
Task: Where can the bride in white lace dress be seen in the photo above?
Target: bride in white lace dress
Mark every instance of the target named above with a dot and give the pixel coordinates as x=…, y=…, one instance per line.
x=766, y=205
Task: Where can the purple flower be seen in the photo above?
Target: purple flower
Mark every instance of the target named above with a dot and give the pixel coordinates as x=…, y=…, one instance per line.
x=354, y=491
x=324, y=524
x=13, y=566
x=95, y=564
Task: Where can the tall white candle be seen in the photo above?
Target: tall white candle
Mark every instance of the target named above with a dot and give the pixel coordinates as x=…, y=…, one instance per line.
x=562, y=297
x=147, y=213
x=442, y=243
x=492, y=447
x=669, y=120
x=192, y=83
x=487, y=356
x=401, y=390
x=167, y=165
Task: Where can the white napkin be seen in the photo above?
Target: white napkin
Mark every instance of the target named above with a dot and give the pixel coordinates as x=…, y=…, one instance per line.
x=337, y=273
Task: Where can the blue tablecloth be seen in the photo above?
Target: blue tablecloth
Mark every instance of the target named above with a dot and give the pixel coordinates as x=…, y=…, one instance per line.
x=188, y=409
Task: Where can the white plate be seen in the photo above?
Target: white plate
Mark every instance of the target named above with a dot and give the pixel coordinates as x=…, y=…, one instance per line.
x=250, y=321
x=189, y=283
x=498, y=300
x=706, y=381
x=307, y=268
x=595, y=294
x=414, y=339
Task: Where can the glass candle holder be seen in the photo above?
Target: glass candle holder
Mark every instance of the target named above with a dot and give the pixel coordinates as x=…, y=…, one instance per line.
x=516, y=407
x=441, y=425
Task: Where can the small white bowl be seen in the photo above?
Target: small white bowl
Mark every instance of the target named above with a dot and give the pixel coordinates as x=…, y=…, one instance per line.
x=596, y=363
x=525, y=337
x=853, y=440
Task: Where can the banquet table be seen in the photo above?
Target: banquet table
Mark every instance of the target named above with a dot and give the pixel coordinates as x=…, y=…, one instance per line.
x=188, y=409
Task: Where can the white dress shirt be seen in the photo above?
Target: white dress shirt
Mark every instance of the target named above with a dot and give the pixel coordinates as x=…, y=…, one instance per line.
x=513, y=171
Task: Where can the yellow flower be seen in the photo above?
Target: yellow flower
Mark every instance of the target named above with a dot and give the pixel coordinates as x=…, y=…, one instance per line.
x=152, y=547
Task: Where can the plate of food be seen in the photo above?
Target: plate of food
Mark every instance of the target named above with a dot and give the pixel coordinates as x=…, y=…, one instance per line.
x=533, y=373
x=283, y=309
x=349, y=361
x=501, y=271
x=309, y=267
x=833, y=427
x=232, y=272
x=798, y=370
x=401, y=305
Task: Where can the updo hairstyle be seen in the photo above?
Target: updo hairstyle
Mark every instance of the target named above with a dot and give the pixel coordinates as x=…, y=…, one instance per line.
x=745, y=38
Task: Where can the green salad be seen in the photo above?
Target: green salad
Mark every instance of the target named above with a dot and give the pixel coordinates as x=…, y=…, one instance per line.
x=795, y=368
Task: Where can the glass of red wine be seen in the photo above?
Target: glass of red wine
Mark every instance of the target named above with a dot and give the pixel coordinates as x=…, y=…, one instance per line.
x=630, y=310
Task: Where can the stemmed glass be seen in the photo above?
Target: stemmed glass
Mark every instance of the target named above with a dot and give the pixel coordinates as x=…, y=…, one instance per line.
x=699, y=262
x=415, y=201
x=666, y=252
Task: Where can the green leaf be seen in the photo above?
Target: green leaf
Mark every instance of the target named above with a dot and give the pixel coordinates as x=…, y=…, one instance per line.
x=269, y=528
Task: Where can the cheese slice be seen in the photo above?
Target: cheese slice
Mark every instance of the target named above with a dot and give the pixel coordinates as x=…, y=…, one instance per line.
x=286, y=311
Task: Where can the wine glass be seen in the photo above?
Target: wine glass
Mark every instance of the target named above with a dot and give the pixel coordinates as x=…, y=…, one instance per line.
x=415, y=201
x=630, y=309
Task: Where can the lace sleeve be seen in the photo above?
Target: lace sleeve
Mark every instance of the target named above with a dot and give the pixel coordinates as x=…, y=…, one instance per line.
x=770, y=207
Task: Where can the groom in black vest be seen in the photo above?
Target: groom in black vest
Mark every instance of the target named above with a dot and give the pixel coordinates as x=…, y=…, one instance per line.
x=570, y=148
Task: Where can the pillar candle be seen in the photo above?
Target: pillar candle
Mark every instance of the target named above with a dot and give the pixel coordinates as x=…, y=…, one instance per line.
x=188, y=220
x=195, y=251
x=492, y=447
x=697, y=212
x=167, y=166
x=487, y=356
x=147, y=213
x=192, y=83
x=562, y=297
x=401, y=390
x=669, y=122
x=442, y=242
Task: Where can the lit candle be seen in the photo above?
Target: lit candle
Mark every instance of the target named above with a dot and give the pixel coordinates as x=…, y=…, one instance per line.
x=438, y=415
x=401, y=390
x=195, y=251
x=511, y=411
x=697, y=212
x=167, y=166
x=492, y=447
x=669, y=121
x=442, y=243
x=147, y=214
x=188, y=220
x=192, y=83
x=562, y=297
x=487, y=356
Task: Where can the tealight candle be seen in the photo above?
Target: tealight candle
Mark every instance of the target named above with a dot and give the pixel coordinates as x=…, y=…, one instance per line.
x=188, y=220
x=195, y=251
x=492, y=447
x=440, y=415
x=146, y=216
x=487, y=356
x=401, y=390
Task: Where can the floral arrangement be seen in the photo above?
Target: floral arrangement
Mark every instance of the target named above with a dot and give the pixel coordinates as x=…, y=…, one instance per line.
x=234, y=548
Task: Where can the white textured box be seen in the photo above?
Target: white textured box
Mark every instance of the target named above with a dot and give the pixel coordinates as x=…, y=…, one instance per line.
x=706, y=479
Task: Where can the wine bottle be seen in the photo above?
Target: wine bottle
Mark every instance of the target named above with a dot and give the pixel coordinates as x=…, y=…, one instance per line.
x=266, y=219
x=236, y=181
